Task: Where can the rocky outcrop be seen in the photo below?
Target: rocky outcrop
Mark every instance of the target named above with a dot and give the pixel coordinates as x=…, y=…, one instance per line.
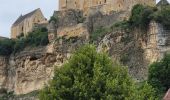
x=31, y=69
x=3, y=70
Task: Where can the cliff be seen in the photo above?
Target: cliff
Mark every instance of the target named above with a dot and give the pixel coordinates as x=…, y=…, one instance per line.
x=32, y=68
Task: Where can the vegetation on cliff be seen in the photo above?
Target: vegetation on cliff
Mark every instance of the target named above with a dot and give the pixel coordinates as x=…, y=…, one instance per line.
x=159, y=75
x=142, y=15
x=38, y=37
x=91, y=75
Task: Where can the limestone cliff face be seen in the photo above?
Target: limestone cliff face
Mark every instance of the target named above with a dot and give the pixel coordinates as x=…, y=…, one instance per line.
x=32, y=68
x=3, y=70
x=136, y=49
x=29, y=70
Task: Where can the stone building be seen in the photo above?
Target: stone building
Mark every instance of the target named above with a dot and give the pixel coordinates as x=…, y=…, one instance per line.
x=162, y=3
x=104, y=5
x=25, y=23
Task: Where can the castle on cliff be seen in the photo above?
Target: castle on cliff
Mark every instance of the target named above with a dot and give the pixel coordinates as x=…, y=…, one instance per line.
x=103, y=5
x=26, y=23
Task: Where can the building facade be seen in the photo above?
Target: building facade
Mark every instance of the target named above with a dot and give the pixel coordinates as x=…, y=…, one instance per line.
x=25, y=23
x=106, y=5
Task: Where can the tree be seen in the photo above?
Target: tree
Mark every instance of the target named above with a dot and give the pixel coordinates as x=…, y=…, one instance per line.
x=141, y=16
x=6, y=47
x=159, y=74
x=91, y=76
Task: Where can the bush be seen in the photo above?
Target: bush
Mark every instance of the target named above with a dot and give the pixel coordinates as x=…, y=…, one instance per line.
x=159, y=74
x=89, y=75
x=36, y=38
x=122, y=25
x=98, y=33
x=141, y=16
x=6, y=46
x=54, y=19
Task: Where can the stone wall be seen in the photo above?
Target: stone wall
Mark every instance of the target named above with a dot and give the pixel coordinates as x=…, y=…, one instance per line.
x=73, y=23
x=27, y=24
x=106, y=5
x=73, y=31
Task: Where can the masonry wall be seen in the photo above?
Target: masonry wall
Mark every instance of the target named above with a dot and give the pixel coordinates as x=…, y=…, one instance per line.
x=108, y=5
x=27, y=24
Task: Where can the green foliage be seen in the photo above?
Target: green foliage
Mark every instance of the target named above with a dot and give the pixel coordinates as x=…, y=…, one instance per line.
x=163, y=16
x=159, y=74
x=6, y=46
x=99, y=33
x=146, y=92
x=6, y=95
x=36, y=38
x=141, y=16
x=122, y=25
x=54, y=19
x=124, y=59
x=89, y=75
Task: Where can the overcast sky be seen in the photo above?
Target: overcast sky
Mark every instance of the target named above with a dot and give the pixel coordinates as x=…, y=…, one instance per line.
x=10, y=10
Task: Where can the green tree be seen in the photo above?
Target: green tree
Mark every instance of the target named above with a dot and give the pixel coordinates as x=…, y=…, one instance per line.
x=159, y=74
x=141, y=16
x=6, y=46
x=89, y=75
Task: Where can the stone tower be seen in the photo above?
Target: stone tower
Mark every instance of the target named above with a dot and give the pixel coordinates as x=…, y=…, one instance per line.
x=105, y=5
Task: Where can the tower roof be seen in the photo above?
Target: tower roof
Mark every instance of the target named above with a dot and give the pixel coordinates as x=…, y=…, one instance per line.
x=162, y=3
x=23, y=17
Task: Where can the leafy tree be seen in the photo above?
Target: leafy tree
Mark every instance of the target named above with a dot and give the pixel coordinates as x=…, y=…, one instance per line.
x=159, y=74
x=89, y=75
x=38, y=37
x=141, y=16
x=6, y=46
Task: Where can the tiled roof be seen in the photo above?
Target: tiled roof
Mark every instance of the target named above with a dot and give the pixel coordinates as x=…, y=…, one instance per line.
x=23, y=17
x=167, y=95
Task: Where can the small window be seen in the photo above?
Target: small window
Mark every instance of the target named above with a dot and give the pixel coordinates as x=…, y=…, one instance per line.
x=22, y=29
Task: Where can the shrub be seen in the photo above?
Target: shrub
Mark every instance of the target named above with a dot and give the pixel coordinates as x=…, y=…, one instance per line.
x=6, y=46
x=141, y=16
x=36, y=38
x=122, y=25
x=159, y=74
x=54, y=19
x=98, y=33
x=92, y=76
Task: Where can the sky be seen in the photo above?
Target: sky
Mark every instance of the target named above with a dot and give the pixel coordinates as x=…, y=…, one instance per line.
x=12, y=9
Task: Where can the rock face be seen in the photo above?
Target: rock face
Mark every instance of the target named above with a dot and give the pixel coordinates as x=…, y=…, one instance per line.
x=32, y=68
x=3, y=70
x=29, y=70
